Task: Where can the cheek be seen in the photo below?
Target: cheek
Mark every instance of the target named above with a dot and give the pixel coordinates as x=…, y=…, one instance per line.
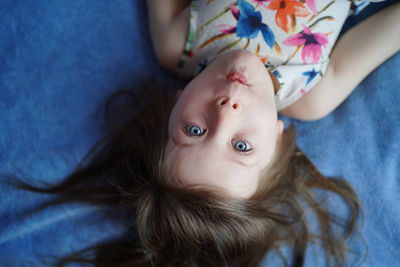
x=173, y=119
x=263, y=117
x=266, y=124
x=186, y=100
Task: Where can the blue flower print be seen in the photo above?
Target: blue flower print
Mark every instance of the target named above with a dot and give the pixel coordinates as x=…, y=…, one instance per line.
x=311, y=75
x=250, y=24
x=277, y=74
x=202, y=65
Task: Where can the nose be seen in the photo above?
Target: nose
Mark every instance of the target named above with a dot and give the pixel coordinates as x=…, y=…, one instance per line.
x=226, y=102
x=224, y=117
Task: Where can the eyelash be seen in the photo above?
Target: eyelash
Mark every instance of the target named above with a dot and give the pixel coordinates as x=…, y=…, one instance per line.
x=239, y=151
x=187, y=126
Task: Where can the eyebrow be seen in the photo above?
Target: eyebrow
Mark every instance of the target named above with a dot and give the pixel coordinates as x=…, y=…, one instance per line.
x=232, y=158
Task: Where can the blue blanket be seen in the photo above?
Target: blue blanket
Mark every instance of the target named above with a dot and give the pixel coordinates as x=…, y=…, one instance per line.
x=60, y=60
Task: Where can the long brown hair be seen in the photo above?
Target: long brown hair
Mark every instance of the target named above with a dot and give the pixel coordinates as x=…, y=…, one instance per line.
x=180, y=226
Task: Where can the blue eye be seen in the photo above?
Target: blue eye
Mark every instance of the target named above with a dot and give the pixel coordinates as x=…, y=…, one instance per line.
x=241, y=146
x=195, y=130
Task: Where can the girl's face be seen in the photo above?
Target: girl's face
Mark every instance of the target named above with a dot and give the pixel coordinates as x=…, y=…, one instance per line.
x=224, y=126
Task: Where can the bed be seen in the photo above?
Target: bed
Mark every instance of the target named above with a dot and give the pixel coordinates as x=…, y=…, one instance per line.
x=60, y=60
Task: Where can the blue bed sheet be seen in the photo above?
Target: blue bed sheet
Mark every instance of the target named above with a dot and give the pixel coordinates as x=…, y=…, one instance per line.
x=59, y=60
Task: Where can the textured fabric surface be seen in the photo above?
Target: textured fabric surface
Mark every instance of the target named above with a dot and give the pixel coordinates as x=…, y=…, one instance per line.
x=59, y=60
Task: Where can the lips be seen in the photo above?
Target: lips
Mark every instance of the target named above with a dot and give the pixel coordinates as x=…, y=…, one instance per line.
x=237, y=77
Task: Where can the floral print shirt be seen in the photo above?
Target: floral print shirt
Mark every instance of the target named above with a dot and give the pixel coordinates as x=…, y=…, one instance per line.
x=293, y=38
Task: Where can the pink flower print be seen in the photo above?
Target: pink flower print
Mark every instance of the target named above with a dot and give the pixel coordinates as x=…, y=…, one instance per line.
x=235, y=11
x=261, y=3
x=226, y=28
x=312, y=44
x=312, y=5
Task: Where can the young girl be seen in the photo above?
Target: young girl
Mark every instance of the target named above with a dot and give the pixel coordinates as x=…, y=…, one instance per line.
x=212, y=174
x=250, y=60
x=254, y=59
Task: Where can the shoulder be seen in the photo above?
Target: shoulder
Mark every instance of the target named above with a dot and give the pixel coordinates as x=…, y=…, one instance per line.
x=317, y=103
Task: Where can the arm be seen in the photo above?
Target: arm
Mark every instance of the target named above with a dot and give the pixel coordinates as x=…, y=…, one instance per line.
x=357, y=53
x=169, y=21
